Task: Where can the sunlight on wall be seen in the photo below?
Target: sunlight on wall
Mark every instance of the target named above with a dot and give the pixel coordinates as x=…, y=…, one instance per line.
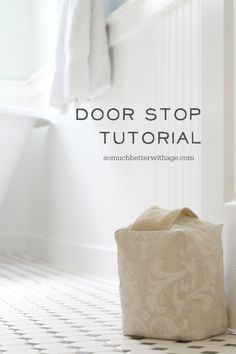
x=15, y=38
x=27, y=36
x=28, y=30
x=46, y=15
x=112, y=5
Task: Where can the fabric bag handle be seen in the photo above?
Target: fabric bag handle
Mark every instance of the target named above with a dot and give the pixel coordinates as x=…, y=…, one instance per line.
x=156, y=218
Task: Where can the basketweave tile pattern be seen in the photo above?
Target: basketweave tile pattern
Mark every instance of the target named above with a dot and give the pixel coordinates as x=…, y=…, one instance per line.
x=44, y=310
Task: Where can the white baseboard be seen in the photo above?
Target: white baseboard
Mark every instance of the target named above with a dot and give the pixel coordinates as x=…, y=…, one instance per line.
x=95, y=262
x=13, y=243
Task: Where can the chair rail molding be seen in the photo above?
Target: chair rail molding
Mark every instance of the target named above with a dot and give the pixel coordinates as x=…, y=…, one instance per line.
x=135, y=13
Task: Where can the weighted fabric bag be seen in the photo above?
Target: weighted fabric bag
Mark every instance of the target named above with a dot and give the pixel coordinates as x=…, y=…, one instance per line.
x=171, y=276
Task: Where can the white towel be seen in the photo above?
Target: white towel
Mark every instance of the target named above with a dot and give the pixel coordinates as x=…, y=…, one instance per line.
x=82, y=65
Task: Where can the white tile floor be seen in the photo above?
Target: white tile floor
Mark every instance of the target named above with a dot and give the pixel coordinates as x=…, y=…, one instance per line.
x=47, y=311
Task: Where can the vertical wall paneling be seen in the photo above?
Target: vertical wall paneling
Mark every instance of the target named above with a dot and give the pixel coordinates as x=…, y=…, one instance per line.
x=234, y=87
x=217, y=105
x=212, y=193
x=228, y=100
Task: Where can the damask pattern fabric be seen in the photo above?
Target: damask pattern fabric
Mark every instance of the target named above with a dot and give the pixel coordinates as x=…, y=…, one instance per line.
x=171, y=279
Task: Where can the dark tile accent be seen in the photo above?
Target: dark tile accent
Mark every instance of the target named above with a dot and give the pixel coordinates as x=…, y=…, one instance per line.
x=93, y=335
x=229, y=345
x=159, y=348
x=53, y=332
x=67, y=342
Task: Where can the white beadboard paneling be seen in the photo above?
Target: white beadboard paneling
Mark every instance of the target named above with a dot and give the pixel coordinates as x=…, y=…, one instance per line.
x=228, y=100
x=213, y=122
x=134, y=13
x=234, y=92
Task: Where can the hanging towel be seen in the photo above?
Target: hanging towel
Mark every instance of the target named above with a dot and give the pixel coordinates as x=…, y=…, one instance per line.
x=82, y=64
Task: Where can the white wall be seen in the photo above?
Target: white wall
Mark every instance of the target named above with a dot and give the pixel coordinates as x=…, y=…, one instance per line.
x=77, y=200
x=27, y=36
x=218, y=111
x=85, y=198
x=234, y=92
x=15, y=38
x=15, y=211
x=45, y=22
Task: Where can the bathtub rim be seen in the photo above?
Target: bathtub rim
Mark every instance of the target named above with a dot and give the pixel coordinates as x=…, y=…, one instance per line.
x=43, y=119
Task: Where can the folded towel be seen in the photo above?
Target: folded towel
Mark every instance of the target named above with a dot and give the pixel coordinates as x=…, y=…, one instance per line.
x=82, y=64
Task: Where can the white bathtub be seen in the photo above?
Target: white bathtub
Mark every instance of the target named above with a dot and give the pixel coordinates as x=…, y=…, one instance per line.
x=16, y=123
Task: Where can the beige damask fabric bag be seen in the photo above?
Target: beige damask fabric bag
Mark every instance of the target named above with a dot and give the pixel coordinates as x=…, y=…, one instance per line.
x=171, y=276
